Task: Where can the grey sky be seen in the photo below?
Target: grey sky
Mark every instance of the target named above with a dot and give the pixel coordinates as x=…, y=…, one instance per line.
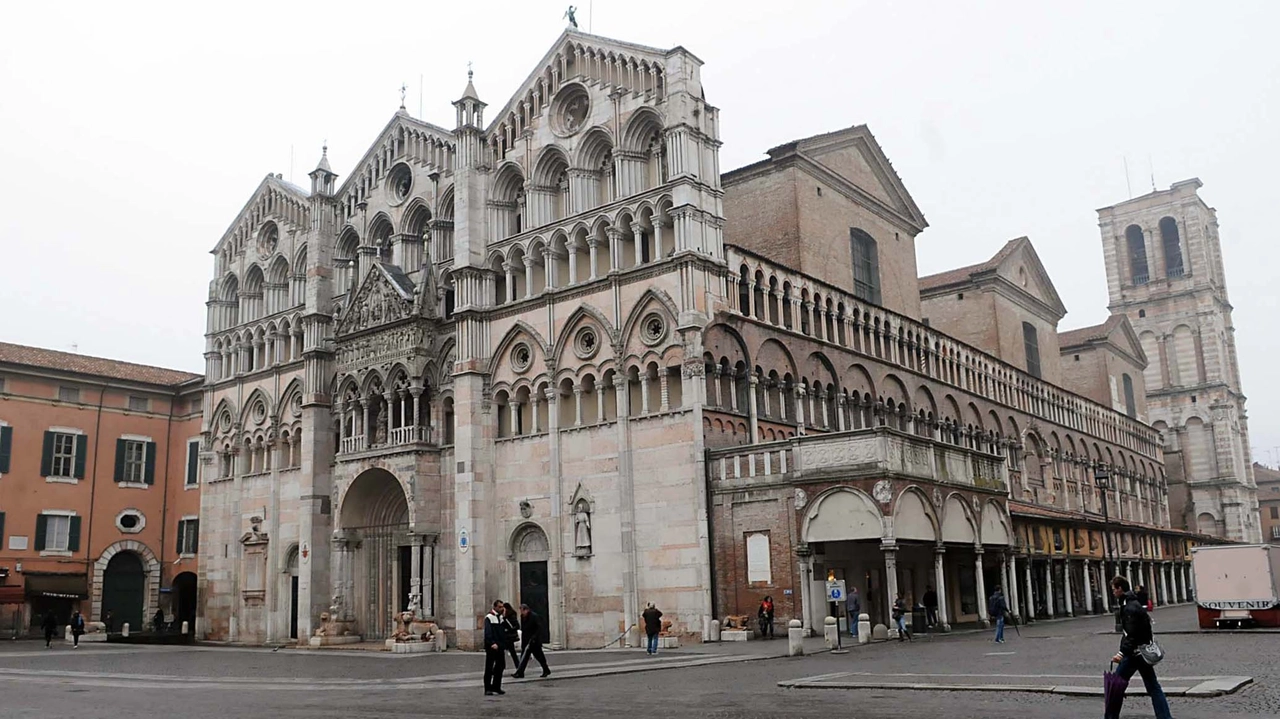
x=132, y=133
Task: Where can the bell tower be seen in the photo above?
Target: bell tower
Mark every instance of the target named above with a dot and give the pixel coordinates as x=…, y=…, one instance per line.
x=1164, y=272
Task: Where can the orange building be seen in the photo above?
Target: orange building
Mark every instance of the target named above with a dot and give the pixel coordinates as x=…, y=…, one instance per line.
x=99, y=489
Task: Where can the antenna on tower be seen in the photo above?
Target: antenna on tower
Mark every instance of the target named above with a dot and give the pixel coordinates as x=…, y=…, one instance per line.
x=1151, y=168
x=1126, y=178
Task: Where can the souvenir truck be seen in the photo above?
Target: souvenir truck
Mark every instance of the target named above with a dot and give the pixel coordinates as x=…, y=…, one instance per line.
x=1237, y=585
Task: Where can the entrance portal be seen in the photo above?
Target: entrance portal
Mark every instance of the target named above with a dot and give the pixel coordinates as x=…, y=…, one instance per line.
x=124, y=590
x=532, y=553
x=184, y=603
x=375, y=520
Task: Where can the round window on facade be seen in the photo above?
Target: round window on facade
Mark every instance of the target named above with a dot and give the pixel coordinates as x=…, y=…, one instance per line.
x=521, y=357
x=400, y=183
x=653, y=329
x=130, y=521
x=570, y=110
x=586, y=343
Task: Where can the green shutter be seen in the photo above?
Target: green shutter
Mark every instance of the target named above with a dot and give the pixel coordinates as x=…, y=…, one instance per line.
x=195, y=536
x=178, y=545
x=73, y=536
x=46, y=457
x=82, y=450
x=1, y=529
x=42, y=530
x=121, y=450
x=193, y=462
x=149, y=475
x=6, y=447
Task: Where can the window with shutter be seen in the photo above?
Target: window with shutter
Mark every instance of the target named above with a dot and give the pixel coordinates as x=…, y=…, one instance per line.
x=57, y=533
x=42, y=531
x=73, y=534
x=193, y=462
x=1031, y=342
x=149, y=468
x=46, y=455
x=82, y=451
x=61, y=456
x=6, y=448
x=866, y=266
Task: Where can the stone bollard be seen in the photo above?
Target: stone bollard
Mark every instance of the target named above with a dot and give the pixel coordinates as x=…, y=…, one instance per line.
x=864, y=629
x=831, y=632
x=124, y=630
x=715, y=630
x=795, y=638
x=880, y=632
x=186, y=627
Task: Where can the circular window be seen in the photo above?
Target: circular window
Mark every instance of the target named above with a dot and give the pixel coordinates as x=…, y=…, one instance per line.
x=130, y=521
x=586, y=343
x=653, y=329
x=268, y=239
x=570, y=109
x=400, y=183
x=259, y=413
x=521, y=357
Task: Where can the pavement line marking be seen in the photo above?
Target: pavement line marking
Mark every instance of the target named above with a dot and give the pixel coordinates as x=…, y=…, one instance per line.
x=1000, y=654
x=1210, y=689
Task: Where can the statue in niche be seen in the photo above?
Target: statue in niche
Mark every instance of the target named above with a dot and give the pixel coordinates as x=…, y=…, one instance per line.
x=380, y=431
x=582, y=528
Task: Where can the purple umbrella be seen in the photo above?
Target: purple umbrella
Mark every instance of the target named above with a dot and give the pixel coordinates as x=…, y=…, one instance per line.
x=1113, y=688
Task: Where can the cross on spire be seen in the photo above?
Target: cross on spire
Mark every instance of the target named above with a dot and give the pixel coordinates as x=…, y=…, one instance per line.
x=469, y=71
x=403, y=89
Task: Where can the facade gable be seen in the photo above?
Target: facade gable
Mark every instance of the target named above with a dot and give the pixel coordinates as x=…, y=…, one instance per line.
x=384, y=297
x=855, y=157
x=275, y=200
x=1019, y=265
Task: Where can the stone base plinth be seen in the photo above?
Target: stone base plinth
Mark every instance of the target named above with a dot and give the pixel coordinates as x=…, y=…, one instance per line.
x=735, y=635
x=411, y=647
x=669, y=642
x=327, y=641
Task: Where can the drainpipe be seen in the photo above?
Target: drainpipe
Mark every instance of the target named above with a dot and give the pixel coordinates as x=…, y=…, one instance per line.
x=93, y=490
x=164, y=505
x=711, y=537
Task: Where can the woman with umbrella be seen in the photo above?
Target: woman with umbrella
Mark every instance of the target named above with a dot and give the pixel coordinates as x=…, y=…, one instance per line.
x=1137, y=633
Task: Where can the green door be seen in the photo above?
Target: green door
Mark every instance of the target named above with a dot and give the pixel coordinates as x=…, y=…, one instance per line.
x=124, y=591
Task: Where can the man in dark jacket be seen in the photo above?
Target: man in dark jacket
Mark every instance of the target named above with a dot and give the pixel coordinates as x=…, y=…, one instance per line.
x=1137, y=631
x=530, y=642
x=50, y=626
x=652, y=626
x=495, y=657
x=998, y=608
x=930, y=602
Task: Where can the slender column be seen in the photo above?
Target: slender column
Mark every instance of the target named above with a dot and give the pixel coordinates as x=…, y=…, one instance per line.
x=841, y=408
x=573, y=264
x=1088, y=586
x=940, y=585
x=733, y=389
x=752, y=411
x=800, y=393
x=592, y=244
x=663, y=391
x=1030, y=596
x=600, y=402
x=514, y=408
x=386, y=398
x=1004, y=581
x=364, y=424
x=415, y=578
x=644, y=394
x=826, y=413
x=981, y=584
x=716, y=374
x=1066, y=589
x=806, y=579
x=534, y=401
x=1048, y=588
x=891, y=581
x=1011, y=585
x=577, y=406
x=528, y=276
x=637, y=237
x=658, y=226
x=417, y=412
x=510, y=270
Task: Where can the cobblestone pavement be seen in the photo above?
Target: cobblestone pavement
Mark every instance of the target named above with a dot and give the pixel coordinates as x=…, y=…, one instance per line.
x=704, y=682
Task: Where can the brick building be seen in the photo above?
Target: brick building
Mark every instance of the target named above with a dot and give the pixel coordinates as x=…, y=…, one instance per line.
x=99, y=493
x=1268, y=481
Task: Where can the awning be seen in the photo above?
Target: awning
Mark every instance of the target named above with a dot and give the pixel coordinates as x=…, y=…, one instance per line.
x=65, y=586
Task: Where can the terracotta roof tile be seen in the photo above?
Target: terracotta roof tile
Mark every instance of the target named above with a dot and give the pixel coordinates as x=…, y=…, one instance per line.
x=1083, y=335
x=98, y=366
x=961, y=274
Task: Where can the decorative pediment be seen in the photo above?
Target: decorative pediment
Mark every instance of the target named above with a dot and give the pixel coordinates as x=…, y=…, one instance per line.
x=403, y=138
x=385, y=296
x=276, y=200
x=1019, y=264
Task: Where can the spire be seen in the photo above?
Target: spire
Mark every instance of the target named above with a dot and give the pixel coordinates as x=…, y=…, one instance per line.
x=470, y=92
x=470, y=107
x=324, y=158
x=323, y=176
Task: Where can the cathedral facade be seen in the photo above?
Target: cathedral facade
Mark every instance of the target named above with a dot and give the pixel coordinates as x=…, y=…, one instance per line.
x=555, y=357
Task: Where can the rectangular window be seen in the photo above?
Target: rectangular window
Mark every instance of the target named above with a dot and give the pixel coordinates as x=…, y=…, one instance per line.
x=68, y=394
x=64, y=455
x=1275, y=513
x=1130, y=404
x=57, y=533
x=188, y=536
x=6, y=447
x=866, y=266
x=135, y=461
x=139, y=404
x=193, y=462
x=1, y=385
x=1031, y=342
x=758, y=560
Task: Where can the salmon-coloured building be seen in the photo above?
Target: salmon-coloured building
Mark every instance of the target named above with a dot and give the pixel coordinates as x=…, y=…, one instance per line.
x=99, y=490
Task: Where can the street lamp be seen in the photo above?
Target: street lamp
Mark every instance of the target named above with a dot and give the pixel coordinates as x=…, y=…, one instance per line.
x=1102, y=480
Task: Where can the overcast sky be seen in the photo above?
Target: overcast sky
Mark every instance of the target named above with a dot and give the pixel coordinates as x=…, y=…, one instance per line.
x=131, y=133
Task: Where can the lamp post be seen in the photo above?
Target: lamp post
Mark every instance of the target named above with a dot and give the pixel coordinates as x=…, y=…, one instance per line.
x=1102, y=480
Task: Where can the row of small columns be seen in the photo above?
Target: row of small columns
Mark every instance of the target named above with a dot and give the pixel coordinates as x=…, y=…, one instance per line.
x=244, y=356
x=359, y=408
x=551, y=393
x=550, y=255
x=284, y=448
x=1167, y=582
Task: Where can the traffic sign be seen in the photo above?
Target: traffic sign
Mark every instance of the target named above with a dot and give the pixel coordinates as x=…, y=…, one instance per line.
x=835, y=590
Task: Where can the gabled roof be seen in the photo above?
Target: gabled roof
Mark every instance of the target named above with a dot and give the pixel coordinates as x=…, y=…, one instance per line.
x=274, y=198
x=399, y=120
x=41, y=358
x=1116, y=331
x=815, y=155
x=1000, y=265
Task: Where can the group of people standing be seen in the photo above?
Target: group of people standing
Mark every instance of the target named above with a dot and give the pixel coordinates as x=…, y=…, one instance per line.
x=503, y=627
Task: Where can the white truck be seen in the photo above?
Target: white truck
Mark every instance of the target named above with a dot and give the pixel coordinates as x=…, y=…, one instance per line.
x=1237, y=585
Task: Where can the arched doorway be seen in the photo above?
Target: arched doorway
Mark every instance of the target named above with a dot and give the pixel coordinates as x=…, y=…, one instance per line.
x=375, y=554
x=844, y=529
x=124, y=590
x=184, y=601
x=291, y=591
x=532, y=555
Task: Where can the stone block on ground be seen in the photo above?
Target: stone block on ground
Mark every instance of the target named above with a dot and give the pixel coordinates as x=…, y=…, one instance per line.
x=735, y=635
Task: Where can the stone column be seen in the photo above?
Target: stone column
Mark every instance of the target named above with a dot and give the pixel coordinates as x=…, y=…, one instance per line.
x=644, y=394
x=1048, y=587
x=1030, y=596
x=427, y=591
x=577, y=405
x=1004, y=583
x=841, y=408
x=343, y=583
x=806, y=579
x=592, y=244
x=534, y=401
x=514, y=408
x=890, y=549
x=800, y=393
x=510, y=271
x=1088, y=586
x=572, y=249
x=664, y=391
x=1067, y=609
x=753, y=423
x=981, y=583
x=1011, y=586
x=528, y=276
x=415, y=577
x=940, y=585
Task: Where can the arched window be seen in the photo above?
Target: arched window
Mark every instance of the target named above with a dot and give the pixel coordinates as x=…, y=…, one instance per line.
x=866, y=266
x=1172, y=247
x=1031, y=342
x=1130, y=406
x=1137, y=255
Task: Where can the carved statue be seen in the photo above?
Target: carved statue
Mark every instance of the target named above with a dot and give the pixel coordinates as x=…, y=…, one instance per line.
x=582, y=528
x=380, y=431
x=571, y=14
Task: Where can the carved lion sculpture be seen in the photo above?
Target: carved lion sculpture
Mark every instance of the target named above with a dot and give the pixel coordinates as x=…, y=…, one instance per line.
x=736, y=621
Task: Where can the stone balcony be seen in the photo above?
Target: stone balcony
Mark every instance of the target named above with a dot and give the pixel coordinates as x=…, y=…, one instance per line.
x=875, y=452
x=400, y=439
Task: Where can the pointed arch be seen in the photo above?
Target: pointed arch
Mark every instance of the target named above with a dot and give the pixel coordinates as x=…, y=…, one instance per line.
x=842, y=513
x=256, y=396
x=914, y=517
x=957, y=521
x=584, y=312
x=665, y=304
x=509, y=339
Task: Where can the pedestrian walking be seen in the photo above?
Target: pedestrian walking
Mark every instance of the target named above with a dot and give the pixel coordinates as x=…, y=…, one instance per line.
x=108, y=621
x=853, y=608
x=511, y=631
x=930, y=602
x=1136, y=640
x=1144, y=597
x=997, y=607
x=158, y=621
x=50, y=627
x=764, y=616
x=530, y=642
x=77, y=629
x=495, y=656
x=652, y=625
x=900, y=618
